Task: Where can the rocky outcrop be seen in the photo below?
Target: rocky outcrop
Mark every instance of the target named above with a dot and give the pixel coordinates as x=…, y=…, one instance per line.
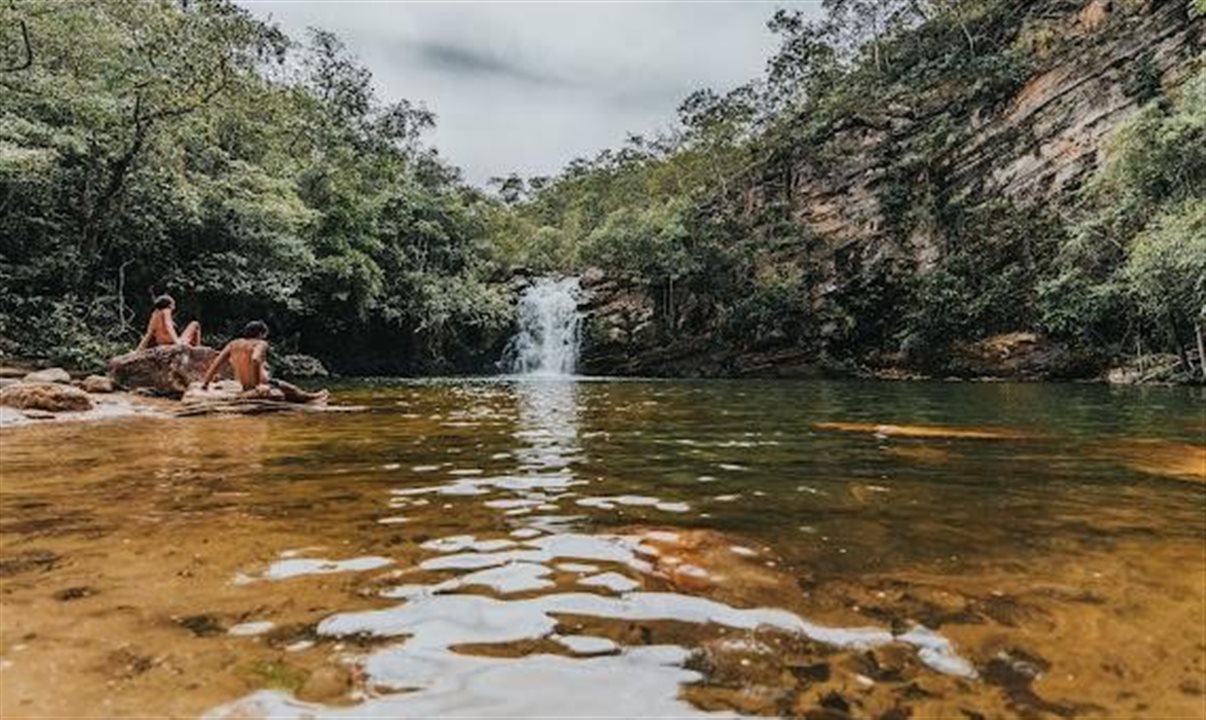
x=298, y=366
x=1015, y=356
x=45, y=396
x=1035, y=148
x=865, y=194
x=167, y=369
x=618, y=319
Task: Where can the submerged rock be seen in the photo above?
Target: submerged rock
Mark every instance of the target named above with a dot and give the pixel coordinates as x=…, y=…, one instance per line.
x=47, y=396
x=925, y=431
x=167, y=369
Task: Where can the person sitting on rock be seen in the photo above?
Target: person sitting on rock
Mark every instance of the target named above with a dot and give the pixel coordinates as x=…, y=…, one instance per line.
x=248, y=359
x=162, y=331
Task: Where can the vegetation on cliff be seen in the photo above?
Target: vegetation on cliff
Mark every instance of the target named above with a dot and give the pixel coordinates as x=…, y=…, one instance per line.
x=711, y=217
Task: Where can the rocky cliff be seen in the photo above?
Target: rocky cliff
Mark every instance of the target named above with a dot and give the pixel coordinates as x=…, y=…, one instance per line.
x=879, y=191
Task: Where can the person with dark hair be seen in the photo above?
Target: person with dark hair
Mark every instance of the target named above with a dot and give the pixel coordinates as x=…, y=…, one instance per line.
x=248, y=358
x=161, y=330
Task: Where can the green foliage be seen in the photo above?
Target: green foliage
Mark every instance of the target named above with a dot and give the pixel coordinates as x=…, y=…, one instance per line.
x=649, y=242
x=1165, y=271
x=1134, y=265
x=190, y=148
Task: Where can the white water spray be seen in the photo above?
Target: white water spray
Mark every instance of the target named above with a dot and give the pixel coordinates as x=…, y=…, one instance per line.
x=546, y=342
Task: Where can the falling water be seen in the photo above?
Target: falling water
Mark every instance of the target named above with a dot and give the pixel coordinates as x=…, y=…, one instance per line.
x=546, y=342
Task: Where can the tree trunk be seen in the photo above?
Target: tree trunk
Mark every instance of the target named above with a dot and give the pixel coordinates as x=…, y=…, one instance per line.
x=1197, y=328
x=1176, y=338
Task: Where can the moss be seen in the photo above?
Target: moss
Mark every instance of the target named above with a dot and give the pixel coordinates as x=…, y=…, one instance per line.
x=276, y=675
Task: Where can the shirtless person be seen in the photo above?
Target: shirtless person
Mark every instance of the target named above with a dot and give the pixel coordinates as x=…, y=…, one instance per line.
x=162, y=331
x=247, y=357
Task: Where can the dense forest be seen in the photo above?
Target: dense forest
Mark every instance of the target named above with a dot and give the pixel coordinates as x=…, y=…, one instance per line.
x=188, y=147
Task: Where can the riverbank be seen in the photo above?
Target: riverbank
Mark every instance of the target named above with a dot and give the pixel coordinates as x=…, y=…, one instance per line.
x=30, y=396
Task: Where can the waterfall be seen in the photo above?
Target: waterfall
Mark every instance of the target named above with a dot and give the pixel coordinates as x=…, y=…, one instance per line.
x=546, y=342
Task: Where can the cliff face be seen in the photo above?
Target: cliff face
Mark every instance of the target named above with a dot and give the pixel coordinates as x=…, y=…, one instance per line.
x=1090, y=65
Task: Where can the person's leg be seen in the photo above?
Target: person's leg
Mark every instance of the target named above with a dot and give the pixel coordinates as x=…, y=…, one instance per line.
x=296, y=395
x=191, y=334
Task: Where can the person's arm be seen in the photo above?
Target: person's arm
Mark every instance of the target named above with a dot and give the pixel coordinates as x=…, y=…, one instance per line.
x=170, y=325
x=215, y=367
x=148, y=335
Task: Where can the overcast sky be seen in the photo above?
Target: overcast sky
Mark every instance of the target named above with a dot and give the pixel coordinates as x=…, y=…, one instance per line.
x=527, y=86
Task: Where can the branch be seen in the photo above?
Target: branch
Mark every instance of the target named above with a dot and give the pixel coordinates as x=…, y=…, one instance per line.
x=28, y=62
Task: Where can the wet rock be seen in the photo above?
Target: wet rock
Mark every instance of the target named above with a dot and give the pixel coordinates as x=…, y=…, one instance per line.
x=37, y=414
x=98, y=384
x=45, y=396
x=1014, y=671
x=298, y=366
x=834, y=701
x=202, y=625
x=748, y=700
x=325, y=684
x=28, y=561
x=166, y=370
x=591, y=277
x=74, y=593
x=128, y=663
x=49, y=375
x=816, y=672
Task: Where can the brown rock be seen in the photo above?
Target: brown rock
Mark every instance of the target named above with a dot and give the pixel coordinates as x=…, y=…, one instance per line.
x=98, y=384
x=49, y=375
x=1016, y=355
x=45, y=396
x=167, y=369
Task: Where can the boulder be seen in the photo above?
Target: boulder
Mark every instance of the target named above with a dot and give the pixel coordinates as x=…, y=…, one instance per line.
x=167, y=369
x=98, y=384
x=1013, y=356
x=49, y=375
x=298, y=366
x=51, y=397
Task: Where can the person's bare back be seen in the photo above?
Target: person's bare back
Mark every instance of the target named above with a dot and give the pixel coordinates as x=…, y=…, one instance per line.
x=248, y=359
x=161, y=329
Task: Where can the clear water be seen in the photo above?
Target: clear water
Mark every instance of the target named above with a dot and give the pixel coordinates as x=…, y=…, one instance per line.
x=555, y=547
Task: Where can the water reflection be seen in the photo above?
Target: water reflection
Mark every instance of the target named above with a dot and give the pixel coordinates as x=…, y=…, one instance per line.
x=486, y=626
x=547, y=424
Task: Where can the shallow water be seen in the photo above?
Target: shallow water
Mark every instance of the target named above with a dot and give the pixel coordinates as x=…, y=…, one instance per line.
x=554, y=548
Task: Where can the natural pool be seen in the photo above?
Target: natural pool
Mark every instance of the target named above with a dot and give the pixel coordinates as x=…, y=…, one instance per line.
x=623, y=548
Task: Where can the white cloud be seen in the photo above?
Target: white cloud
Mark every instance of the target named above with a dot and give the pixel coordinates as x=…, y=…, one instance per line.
x=528, y=86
